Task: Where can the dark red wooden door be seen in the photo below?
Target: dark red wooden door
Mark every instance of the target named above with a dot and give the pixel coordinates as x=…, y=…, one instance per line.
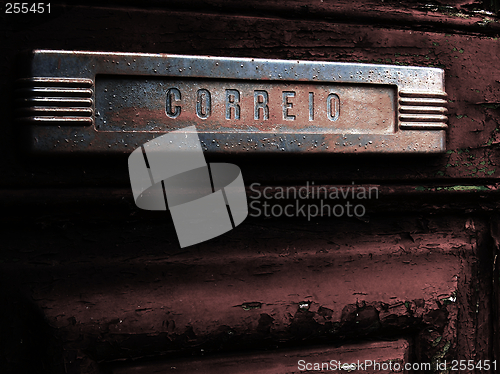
x=92, y=284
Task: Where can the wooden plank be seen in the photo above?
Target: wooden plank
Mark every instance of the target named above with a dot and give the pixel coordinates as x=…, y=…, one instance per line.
x=118, y=290
x=445, y=15
x=372, y=357
x=394, y=198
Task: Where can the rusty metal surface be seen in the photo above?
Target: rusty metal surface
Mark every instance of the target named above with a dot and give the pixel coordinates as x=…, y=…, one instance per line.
x=114, y=102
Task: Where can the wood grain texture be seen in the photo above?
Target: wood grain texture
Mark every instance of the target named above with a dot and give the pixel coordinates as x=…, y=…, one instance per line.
x=88, y=279
x=120, y=289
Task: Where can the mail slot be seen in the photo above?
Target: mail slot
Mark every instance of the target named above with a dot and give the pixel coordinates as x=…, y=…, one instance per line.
x=114, y=102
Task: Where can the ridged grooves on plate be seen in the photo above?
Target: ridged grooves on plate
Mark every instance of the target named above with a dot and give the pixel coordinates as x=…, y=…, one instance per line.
x=422, y=110
x=55, y=101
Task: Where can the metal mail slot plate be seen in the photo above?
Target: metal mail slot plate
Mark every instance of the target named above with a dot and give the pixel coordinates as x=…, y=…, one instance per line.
x=114, y=102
